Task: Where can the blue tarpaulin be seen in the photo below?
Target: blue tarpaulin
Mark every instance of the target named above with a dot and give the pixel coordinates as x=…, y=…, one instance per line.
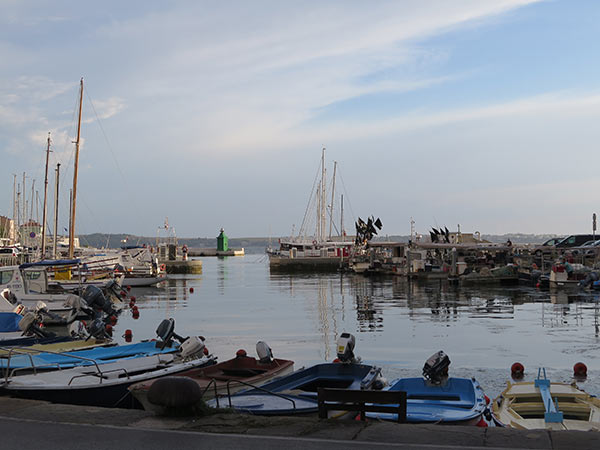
x=51, y=262
x=100, y=355
x=9, y=322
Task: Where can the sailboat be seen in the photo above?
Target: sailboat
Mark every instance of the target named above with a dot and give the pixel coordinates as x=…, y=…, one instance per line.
x=322, y=251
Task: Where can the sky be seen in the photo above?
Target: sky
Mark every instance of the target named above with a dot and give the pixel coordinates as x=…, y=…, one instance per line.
x=214, y=114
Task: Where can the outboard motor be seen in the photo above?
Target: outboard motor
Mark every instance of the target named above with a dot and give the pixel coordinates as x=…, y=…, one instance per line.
x=435, y=369
x=345, y=348
x=9, y=296
x=166, y=333
x=589, y=280
x=97, y=329
x=29, y=325
x=95, y=299
x=192, y=348
x=78, y=330
x=264, y=352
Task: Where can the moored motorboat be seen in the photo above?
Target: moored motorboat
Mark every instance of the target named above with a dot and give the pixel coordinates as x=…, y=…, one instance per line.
x=101, y=385
x=22, y=360
x=231, y=376
x=436, y=398
x=542, y=404
x=296, y=393
x=104, y=382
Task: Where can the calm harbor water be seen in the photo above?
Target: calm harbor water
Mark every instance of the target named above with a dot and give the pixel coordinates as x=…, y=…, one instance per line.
x=237, y=301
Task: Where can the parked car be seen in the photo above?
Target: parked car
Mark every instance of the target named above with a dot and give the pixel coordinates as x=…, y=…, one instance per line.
x=588, y=248
x=547, y=246
x=575, y=240
x=12, y=251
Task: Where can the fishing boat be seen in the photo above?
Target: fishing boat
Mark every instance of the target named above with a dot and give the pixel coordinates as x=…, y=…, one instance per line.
x=101, y=384
x=23, y=361
x=437, y=398
x=27, y=285
x=297, y=393
x=102, y=379
x=232, y=375
x=542, y=404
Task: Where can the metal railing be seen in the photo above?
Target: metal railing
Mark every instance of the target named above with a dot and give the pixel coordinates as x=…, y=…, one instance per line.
x=25, y=351
x=257, y=388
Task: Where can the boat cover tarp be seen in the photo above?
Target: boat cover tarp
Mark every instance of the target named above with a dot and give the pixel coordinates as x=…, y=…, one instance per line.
x=100, y=355
x=51, y=262
x=9, y=322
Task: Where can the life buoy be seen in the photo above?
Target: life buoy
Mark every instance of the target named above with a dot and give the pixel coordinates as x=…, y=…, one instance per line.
x=314, y=243
x=163, y=268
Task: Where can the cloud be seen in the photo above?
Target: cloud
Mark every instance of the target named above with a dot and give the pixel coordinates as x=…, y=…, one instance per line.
x=246, y=80
x=105, y=109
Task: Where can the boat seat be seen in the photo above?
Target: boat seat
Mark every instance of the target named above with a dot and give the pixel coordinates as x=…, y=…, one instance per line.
x=243, y=372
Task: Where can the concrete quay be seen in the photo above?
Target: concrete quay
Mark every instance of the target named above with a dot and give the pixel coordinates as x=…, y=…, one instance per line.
x=29, y=424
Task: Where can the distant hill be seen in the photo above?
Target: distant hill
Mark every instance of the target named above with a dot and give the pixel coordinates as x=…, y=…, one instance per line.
x=258, y=244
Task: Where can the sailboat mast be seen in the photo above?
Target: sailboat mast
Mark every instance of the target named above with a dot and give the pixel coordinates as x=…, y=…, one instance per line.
x=332, y=198
x=24, y=200
x=323, y=200
x=342, y=219
x=56, y=177
x=45, y=200
x=31, y=200
x=75, y=170
x=13, y=237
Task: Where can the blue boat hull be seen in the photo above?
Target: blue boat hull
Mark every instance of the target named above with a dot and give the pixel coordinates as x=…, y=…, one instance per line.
x=459, y=400
x=297, y=392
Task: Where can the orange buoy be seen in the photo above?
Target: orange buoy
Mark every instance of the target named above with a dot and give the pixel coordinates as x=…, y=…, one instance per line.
x=109, y=329
x=580, y=370
x=132, y=298
x=128, y=335
x=191, y=290
x=517, y=370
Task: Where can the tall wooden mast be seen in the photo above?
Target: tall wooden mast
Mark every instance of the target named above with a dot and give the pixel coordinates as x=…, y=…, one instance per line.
x=44, y=220
x=75, y=169
x=56, y=184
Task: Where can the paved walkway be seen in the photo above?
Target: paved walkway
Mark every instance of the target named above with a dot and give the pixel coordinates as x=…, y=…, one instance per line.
x=28, y=424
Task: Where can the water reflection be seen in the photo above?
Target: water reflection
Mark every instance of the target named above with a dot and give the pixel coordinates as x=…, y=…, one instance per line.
x=237, y=301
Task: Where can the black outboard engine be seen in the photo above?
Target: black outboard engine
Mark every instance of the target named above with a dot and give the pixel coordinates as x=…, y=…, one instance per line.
x=97, y=329
x=95, y=299
x=435, y=369
x=166, y=333
x=345, y=348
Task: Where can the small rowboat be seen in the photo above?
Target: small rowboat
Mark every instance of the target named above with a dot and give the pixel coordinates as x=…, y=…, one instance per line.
x=100, y=385
x=233, y=375
x=457, y=401
x=296, y=393
x=542, y=404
